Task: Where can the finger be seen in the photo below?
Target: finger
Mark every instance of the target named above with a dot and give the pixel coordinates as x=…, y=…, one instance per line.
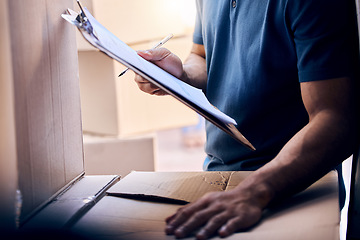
x=140, y=79
x=148, y=88
x=230, y=227
x=164, y=59
x=240, y=222
x=213, y=225
x=197, y=220
x=154, y=54
x=182, y=215
x=170, y=218
x=159, y=92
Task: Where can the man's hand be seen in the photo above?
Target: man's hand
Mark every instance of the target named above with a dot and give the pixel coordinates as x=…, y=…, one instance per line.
x=166, y=60
x=192, y=72
x=217, y=213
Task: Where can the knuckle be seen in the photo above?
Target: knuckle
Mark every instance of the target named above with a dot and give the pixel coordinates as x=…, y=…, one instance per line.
x=218, y=220
x=198, y=217
x=234, y=225
x=217, y=205
x=185, y=212
x=208, y=197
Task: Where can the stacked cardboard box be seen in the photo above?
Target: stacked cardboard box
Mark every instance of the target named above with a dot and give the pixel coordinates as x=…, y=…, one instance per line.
x=8, y=161
x=43, y=70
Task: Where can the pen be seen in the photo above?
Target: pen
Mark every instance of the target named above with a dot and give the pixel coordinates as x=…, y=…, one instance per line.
x=159, y=44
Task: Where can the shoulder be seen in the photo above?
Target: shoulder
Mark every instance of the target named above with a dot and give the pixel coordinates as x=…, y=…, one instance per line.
x=319, y=15
x=315, y=8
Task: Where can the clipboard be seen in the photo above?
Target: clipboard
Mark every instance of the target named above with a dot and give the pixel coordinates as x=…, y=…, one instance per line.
x=102, y=39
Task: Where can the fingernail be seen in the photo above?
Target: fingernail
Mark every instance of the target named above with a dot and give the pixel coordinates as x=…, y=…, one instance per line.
x=201, y=235
x=147, y=52
x=169, y=230
x=144, y=53
x=223, y=232
x=179, y=233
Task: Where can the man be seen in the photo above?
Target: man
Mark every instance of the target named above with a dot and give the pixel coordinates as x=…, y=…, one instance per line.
x=285, y=70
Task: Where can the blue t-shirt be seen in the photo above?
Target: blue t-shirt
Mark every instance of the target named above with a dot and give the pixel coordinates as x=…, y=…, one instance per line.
x=257, y=54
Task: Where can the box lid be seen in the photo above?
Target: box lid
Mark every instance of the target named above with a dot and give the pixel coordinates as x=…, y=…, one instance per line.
x=178, y=187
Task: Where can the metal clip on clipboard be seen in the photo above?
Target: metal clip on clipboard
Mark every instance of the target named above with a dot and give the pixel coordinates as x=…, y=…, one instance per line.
x=81, y=21
x=84, y=22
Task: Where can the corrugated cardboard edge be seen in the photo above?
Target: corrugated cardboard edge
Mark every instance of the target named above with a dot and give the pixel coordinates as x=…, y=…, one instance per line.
x=174, y=187
x=235, y=178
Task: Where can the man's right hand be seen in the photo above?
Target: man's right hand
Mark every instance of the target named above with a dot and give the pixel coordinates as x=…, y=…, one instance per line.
x=166, y=60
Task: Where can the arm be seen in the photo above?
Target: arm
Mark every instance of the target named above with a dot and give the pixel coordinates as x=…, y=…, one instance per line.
x=316, y=149
x=193, y=71
x=322, y=144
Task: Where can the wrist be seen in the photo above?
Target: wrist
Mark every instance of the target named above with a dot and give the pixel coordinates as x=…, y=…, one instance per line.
x=259, y=193
x=184, y=76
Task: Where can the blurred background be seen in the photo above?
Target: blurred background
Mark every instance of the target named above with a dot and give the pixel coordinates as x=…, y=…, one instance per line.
x=124, y=128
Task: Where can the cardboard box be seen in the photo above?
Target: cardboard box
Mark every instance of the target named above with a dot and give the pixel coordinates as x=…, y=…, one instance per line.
x=46, y=103
x=115, y=106
x=106, y=155
x=140, y=21
x=183, y=186
x=8, y=159
x=148, y=198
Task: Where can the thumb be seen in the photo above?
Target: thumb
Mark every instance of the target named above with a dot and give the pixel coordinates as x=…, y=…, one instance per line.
x=154, y=54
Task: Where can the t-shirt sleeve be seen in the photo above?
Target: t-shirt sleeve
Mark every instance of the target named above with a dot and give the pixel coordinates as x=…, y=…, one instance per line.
x=325, y=37
x=197, y=36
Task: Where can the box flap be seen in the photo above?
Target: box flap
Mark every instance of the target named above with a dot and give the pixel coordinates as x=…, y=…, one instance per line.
x=170, y=186
x=235, y=178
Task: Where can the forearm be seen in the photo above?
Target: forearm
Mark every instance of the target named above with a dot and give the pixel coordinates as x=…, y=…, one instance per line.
x=315, y=150
x=195, y=72
x=320, y=146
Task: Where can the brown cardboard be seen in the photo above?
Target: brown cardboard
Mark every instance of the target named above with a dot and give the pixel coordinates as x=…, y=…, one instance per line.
x=47, y=99
x=8, y=171
x=115, y=106
x=171, y=185
x=140, y=21
x=176, y=185
x=312, y=214
x=110, y=155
